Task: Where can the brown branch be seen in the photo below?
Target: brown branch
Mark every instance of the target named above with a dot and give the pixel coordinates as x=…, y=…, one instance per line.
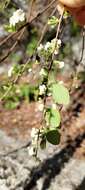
x=83, y=44
x=27, y=23
x=46, y=26
x=13, y=46
x=20, y=34
x=30, y=11
x=16, y=79
x=77, y=70
x=51, y=64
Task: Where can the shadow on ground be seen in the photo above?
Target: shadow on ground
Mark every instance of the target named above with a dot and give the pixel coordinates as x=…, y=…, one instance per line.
x=81, y=186
x=51, y=167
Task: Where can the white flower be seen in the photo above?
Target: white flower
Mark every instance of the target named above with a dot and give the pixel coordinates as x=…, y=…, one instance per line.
x=54, y=106
x=61, y=82
x=47, y=45
x=49, y=94
x=53, y=45
x=34, y=141
x=40, y=47
x=42, y=72
x=56, y=52
x=18, y=91
x=29, y=70
x=61, y=64
x=59, y=42
x=42, y=89
x=10, y=71
x=53, y=41
x=34, y=132
x=31, y=151
x=18, y=16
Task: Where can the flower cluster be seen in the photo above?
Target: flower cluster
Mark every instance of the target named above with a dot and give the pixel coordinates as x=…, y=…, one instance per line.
x=50, y=47
x=43, y=72
x=14, y=69
x=59, y=63
x=17, y=17
x=34, y=136
x=42, y=89
x=10, y=71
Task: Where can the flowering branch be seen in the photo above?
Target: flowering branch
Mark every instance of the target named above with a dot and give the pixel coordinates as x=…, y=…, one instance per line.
x=48, y=55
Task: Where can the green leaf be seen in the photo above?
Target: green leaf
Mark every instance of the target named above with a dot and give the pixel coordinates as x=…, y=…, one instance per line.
x=24, y=90
x=31, y=46
x=53, y=137
x=9, y=28
x=11, y=105
x=55, y=118
x=60, y=94
x=53, y=21
x=43, y=143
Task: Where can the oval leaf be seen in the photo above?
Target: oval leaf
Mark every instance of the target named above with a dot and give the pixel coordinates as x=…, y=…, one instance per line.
x=53, y=137
x=43, y=144
x=60, y=94
x=55, y=118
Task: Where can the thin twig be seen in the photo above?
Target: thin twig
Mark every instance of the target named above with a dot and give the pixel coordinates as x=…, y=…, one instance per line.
x=20, y=34
x=46, y=26
x=51, y=63
x=75, y=76
x=30, y=11
x=16, y=79
x=27, y=23
x=83, y=44
x=16, y=150
x=13, y=46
